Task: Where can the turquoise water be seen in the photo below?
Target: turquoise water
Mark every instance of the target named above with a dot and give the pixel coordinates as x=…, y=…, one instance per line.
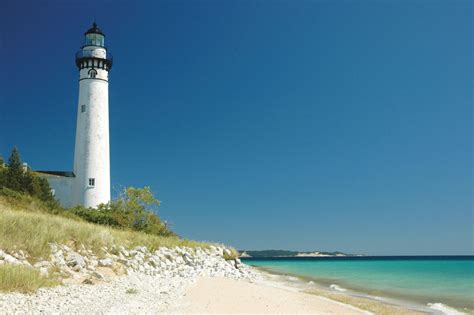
x=447, y=280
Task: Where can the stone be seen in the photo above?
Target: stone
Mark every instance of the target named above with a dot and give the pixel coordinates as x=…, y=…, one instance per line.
x=93, y=263
x=11, y=260
x=87, y=281
x=74, y=259
x=97, y=275
x=106, y=262
x=42, y=264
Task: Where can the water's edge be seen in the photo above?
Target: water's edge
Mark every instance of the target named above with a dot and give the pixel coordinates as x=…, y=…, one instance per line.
x=305, y=284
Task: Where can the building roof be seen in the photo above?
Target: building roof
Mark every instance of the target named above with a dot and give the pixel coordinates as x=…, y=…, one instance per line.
x=94, y=30
x=58, y=173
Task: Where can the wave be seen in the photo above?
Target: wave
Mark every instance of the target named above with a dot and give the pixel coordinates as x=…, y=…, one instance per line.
x=445, y=309
x=335, y=287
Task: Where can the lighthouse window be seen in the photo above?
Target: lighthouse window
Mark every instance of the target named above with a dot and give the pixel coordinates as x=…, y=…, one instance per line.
x=91, y=182
x=95, y=39
x=83, y=108
x=92, y=73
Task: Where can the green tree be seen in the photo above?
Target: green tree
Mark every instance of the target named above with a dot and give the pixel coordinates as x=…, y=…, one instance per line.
x=14, y=176
x=29, y=184
x=44, y=192
x=136, y=204
x=3, y=173
x=136, y=209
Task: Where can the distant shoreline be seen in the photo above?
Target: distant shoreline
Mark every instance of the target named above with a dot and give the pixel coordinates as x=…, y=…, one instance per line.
x=367, y=257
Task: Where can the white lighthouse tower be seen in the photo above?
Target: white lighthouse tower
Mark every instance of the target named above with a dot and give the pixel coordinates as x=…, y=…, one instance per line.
x=91, y=184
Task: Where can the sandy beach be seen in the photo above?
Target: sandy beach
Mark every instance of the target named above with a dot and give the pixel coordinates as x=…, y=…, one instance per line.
x=224, y=295
x=203, y=294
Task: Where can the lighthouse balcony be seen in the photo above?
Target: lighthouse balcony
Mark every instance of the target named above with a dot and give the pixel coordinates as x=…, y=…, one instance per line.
x=87, y=59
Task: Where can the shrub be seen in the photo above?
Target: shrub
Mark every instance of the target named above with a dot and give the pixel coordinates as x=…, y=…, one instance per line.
x=232, y=255
x=135, y=209
x=131, y=291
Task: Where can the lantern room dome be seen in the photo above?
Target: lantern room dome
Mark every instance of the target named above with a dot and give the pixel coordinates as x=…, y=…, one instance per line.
x=94, y=30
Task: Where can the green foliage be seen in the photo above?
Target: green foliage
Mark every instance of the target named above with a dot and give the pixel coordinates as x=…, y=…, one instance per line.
x=135, y=209
x=131, y=291
x=232, y=255
x=3, y=173
x=15, y=174
x=15, y=177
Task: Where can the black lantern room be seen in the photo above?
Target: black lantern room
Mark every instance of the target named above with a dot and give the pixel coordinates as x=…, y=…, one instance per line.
x=94, y=36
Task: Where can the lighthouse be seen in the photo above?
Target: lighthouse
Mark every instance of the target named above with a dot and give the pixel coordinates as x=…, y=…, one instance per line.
x=91, y=185
x=89, y=182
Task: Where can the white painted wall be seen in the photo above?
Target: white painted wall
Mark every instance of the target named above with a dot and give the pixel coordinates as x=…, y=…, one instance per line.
x=91, y=156
x=62, y=188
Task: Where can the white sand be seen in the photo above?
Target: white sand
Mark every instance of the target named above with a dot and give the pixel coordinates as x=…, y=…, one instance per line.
x=224, y=295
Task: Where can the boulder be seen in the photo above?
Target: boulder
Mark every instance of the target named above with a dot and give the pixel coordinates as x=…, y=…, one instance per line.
x=42, y=264
x=11, y=260
x=73, y=259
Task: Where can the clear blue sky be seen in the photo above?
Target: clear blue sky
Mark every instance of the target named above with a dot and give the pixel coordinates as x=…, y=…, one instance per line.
x=328, y=125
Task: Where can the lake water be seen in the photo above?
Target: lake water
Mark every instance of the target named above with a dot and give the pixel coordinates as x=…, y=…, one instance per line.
x=446, y=281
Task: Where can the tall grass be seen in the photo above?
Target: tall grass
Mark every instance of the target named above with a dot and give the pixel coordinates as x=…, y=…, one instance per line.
x=33, y=230
x=17, y=278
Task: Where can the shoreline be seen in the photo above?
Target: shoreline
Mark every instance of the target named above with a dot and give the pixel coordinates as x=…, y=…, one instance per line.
x=361, y=301
x=205, y=284
x=263, y=293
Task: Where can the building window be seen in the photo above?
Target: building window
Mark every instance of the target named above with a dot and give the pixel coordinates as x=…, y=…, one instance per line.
x=92, y=73
x=91, y=182
x=83, y=108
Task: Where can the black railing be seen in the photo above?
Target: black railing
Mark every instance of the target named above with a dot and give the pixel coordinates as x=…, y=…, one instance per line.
x=82, y=56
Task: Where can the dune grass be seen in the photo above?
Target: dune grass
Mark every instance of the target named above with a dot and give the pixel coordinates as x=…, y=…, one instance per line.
x=17, y=278
x=32, y=230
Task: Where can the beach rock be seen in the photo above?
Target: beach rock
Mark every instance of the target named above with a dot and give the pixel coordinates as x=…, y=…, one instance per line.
x=74, y=260
x=106, y=262
x=97, y=275
x=11, y=260
x=44, y=271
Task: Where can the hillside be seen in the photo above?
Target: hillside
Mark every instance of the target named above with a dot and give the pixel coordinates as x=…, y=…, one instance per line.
x=39, y=248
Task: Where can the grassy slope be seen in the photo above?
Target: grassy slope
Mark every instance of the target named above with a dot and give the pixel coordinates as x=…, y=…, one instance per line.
x=25, y=224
